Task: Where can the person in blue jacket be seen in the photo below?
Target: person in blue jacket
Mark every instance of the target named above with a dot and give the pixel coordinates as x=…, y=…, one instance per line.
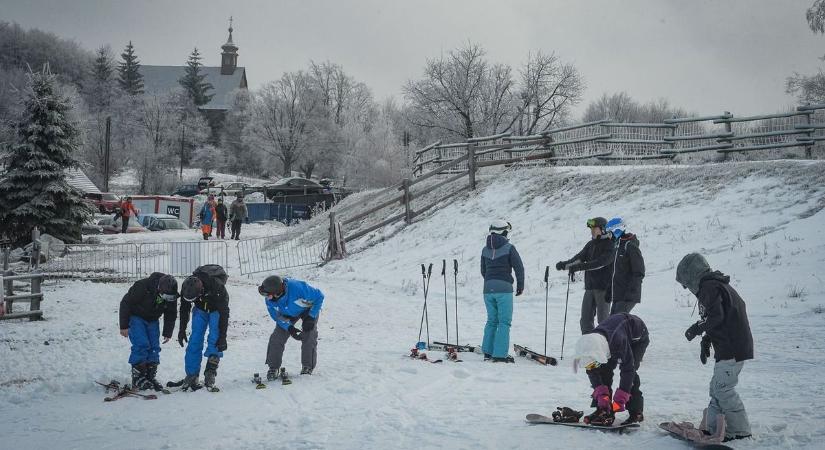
x=289, y=301
x=499, y=259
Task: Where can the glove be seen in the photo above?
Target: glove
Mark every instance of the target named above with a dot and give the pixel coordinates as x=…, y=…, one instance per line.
x=620, y=398
x=296, y=333
x=182, y=337
x=704, y=353
x=560, y=265
x=602, y=396
x=308, y=324
x=572, y=275
x=519, y=291
x=693, y=331
x=221, y=345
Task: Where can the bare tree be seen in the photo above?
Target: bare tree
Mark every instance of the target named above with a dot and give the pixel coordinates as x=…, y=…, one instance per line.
x=810, y=88
x=550, y=89
x=617, y=108
x=816, y=16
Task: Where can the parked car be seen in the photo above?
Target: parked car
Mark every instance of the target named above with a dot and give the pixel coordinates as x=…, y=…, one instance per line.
x=231, y=188
x=105, y=202
x=162, y=222
x=187, y=190
x=293, y=186
x=111, y=226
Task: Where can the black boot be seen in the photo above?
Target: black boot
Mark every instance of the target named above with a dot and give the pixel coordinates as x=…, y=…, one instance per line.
x=211, y=371
x=506, y=359
x=190, y=383
x=488, y=356
x=635, y=417
x=306, y=371
x=601, y=418
x=272, y=374
x=151, y=373
x=139, y=381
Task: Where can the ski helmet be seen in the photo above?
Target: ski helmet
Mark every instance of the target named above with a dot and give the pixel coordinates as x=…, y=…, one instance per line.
x=600, y=222
x=168, y=287
x=616, y=226
x=191, y=289
x=500, y=227
x=272, y=285
x=591, y=351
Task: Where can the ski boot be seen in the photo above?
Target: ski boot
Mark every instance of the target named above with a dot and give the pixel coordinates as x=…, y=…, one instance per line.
x=567, y=415
x=306, y=371
x=600, y=418
x=151, y=373
x=190, y=383
x=139, y=381
x=272, y=374
x=210, y=373
x=635, y=417
x=488, y=356
x=505, y=359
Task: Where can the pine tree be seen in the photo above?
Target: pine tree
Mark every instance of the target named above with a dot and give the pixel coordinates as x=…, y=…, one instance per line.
x=129, y=77
x=33, y=191
x=100, y=90
x=193, y=81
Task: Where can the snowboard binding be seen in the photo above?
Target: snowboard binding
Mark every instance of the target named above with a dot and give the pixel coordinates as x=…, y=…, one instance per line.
x=564, y=414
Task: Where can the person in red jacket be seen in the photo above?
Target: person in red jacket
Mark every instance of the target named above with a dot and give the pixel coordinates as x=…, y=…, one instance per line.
x=126, y=211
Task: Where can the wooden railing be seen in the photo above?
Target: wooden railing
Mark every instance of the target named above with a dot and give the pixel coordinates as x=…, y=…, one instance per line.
x=34, y=296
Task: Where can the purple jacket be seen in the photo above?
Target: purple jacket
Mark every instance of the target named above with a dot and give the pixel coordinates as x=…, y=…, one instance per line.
x=625, y=333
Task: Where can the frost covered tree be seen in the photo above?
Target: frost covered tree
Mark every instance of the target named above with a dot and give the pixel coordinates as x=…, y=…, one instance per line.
x=193, y=81
x=209, y=158
x=130, y=79
x=242, y=157
x=549, y=91
x=33, y=191
x=810, y=88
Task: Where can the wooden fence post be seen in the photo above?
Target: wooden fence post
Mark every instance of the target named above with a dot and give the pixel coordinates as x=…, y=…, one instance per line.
x=728, y=129
x=8, y=288
x=34, y=261
x=471, y=164
x=35, y=301
x=405, y=184
x=808, y=148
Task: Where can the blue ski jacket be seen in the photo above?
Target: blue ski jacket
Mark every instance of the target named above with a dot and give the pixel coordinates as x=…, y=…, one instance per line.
x=299, y=300
x=499, y=259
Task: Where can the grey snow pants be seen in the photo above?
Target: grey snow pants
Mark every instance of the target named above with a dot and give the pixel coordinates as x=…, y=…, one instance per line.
x=725, y=400
x=593, y=305
x=277, y=343
x=622, y=307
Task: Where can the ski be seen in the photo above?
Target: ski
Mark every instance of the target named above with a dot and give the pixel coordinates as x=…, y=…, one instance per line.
x=284, y=377
x=459, y=348
x=537, y=357
x=417, y=354
x=259, y=383
x=175, y=386
x=126, y=391
x=540, y=419
x=681, y=431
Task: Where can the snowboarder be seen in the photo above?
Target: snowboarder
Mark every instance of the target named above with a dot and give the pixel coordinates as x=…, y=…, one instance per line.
x=724, y=321
x=289, y=301
x=220, y=215
x=595, y=259
x=140, y=311
x=207, y=217
x=206, y=290
x=126, y=211
x=237, y=214
x=621, y=340
x=625, y=288
x=498, y=259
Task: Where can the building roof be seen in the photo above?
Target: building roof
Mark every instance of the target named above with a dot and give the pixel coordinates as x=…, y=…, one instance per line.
x=78, y=180
x=163, y=79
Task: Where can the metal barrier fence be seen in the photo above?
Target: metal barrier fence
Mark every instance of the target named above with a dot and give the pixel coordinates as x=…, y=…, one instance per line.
x=180, y=258
x=274, y=253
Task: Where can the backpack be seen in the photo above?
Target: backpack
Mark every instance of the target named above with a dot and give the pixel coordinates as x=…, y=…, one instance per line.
x=213, y=271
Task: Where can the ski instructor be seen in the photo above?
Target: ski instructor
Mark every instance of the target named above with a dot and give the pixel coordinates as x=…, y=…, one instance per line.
x=499, y=259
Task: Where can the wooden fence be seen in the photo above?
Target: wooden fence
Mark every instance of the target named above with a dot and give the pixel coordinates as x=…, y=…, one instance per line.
x=34, y=296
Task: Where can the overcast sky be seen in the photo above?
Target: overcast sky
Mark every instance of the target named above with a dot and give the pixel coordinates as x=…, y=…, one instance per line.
x=707, y=56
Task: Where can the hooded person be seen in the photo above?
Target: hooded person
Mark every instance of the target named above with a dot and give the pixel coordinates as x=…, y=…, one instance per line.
x=625, y=288
x=238, y=213
x=723, y=322
x=620, y=341
x=499, y=259
x=220, y=218
x=207, y=214
x=595, y=260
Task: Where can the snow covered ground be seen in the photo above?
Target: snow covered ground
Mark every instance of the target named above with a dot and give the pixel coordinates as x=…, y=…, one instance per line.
x=759, y=222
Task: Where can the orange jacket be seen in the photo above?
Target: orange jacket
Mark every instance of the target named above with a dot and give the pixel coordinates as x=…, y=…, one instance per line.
x=126, y=207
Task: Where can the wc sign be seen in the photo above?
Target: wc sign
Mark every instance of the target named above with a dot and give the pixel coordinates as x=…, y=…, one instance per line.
x=173, y=210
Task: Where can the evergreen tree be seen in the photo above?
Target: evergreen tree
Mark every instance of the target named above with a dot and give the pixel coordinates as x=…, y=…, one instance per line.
x=129, y=77
x=100, y=90
x=193, y=80
x=33, y=191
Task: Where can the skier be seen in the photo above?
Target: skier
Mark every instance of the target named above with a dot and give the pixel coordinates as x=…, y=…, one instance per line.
x=724, y=321
x=289, y=301
x=220, y=215
x=621, y=340
x=595, y=260
x=207, y=217
x=625, y=288
x=2, y=309
x=237, y=213
x=126, y=210
x=140, y=311
x=498, y=259
x=206, y=289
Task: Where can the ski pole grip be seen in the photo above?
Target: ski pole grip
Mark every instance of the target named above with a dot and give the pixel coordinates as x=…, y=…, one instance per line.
x=423, y=270
x=546, y=274
x=430, y=270
x=443, y=267
x=455, y=265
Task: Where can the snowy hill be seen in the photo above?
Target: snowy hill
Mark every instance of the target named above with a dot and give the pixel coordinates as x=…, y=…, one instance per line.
x=759, y=222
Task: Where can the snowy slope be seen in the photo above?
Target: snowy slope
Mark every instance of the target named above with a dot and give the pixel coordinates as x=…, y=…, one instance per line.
x=759, y=222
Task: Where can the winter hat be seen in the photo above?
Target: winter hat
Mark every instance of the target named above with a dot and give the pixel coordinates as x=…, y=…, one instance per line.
x=220, y=199
x=616, y=226
x=690, y=271
x=501, y=227
x=191, y=289
x=591, y=348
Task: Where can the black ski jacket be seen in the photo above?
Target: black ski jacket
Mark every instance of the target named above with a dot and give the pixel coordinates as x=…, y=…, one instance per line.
x=723, y=317
x=215, y=298
x=142, y=300
x=627, y=337
x=627, y=272
x=220, y=212
x=595, y=260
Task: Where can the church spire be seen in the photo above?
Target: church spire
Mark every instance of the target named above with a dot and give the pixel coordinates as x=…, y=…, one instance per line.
x=229, y=56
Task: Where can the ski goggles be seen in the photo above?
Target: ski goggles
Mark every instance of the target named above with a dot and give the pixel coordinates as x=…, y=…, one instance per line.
x=592, y=365
x=591, y=223
x=168, y=297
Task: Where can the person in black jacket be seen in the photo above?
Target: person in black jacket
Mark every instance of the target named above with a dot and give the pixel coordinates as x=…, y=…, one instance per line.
x=621, y=340
x=140, y=311
x=206, y=291
x=595, y=260
x=221, y=216
x=723, y=319
x=625, y=288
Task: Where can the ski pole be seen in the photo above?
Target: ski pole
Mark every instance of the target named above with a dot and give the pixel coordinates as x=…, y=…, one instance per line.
x=546, y=297
x=564, y=327
x=446, y=313
x=426, y=310
x=424, y=284
x=455, y=283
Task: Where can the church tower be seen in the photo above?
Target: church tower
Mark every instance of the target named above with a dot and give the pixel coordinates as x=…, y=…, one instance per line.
x=229, y=55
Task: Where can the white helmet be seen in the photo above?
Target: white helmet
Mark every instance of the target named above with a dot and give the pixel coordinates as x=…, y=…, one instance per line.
x=499, y=226
x=591, y=350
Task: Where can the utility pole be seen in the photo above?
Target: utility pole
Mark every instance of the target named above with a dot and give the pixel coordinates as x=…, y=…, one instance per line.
x=107, y=152
x=182, y=140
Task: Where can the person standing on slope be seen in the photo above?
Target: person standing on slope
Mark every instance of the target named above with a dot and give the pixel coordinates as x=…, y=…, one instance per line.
x=499, y=259
x=238, y=213
x=628, y=270
x=723, y=319
x=595, y=259
x=207, y=217
x=220, y=216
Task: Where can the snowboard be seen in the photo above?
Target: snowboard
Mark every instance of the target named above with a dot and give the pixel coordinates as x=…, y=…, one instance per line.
x=537, y=357
x=538, y=418
x=692, y=443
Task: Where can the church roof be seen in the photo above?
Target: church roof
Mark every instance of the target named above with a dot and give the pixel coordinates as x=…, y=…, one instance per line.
x=163, y=79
